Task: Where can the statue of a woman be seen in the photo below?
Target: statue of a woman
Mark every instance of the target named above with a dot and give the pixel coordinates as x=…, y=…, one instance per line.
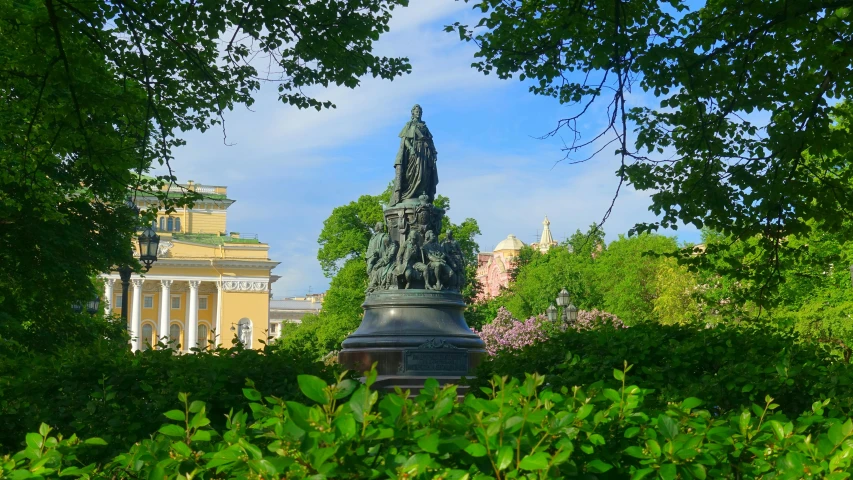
x=416, y=173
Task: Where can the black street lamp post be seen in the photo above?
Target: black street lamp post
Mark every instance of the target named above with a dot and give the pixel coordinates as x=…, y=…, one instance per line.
x=124, y=272
x=149, y=242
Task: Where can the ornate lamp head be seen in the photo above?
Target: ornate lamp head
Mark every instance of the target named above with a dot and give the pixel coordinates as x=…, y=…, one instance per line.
x=552, y=313
x=92, y=305
x=572, y=313
x=149, y=242
x=563, y=298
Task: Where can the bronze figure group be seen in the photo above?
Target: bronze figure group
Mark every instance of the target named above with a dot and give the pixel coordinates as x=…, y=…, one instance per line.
x=407, y=254
x=420, y=261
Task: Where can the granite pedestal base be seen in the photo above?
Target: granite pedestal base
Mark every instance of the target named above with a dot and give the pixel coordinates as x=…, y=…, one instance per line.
x=413, y=335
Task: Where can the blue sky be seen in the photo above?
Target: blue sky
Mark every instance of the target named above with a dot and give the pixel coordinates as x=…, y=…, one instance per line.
x=288, y=168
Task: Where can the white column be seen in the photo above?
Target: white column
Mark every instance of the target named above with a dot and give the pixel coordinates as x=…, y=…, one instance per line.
x=136, y=314
x=165, y=307
x=192, y=316
x=218, y=338
x=108, y=295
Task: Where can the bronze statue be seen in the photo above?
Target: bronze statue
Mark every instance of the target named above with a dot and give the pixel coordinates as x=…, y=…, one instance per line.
x=437, y=268
x=374, y=246
x=410, y=261
x=415, y=168
x=380, y=275
x=455, y=260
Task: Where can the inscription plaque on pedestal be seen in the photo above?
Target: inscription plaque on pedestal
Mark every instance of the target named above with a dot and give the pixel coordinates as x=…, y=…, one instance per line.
x=435, y=362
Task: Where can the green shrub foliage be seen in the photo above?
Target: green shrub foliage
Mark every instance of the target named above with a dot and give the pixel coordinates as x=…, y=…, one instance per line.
x=728, y=366
x=517, y=430
x=106, y=391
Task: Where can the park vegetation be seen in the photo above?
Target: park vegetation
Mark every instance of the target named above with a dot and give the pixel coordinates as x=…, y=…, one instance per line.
x=725, y=359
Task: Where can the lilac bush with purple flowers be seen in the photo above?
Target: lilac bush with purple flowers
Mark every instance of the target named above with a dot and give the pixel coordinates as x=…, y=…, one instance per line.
x=508, y=333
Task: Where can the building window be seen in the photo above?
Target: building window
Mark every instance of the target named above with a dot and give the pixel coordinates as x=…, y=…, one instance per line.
x=175, y=336
x=176, y=302
x=177, y=224
x=147, y=336
x=202, y=336
x=170, y=224
x=202, y=303
x=162, y=224
x=148, y=301
x=117, y=303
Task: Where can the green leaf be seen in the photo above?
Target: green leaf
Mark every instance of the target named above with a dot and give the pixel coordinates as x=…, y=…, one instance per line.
x=201, y=436
x=743, y=420
x=642, y=473
x=690, y=403
x=618, y=374
x=505, y=457
x=668, y=471
x=429, y=443
x=196, y=406
x=835, y=434
x=584, y=411
x=636, y=452
x=252, y=394
x=667, y=427
x=313, y=388
x=34, y=440
x=172, y=430
x=95, y=441
x=597, y=466
x=537, y=461
x=176, y=415
x=476, y=450
x=357, y=403
x=346, y=425
x=612, y=395
x=778, y=429
x=698, y=471
x=632, y=432
x=345, y=388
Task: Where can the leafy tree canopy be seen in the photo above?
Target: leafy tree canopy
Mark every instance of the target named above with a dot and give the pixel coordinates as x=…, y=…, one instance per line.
x=92, y=94
x=741, y=131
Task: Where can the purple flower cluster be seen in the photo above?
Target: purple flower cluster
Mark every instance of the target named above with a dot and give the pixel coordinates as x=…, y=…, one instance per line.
x=588, y=319
x=507, y=333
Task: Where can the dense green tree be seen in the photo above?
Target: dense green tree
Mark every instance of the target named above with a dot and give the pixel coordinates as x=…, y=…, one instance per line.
x=638, y=284
x=348, y=229
x=740, y=128
x=93, y=94
x=632, y=278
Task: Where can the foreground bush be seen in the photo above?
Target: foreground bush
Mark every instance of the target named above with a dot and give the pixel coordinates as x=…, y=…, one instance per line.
x=104, y=390
x=728, y=366
x=520, y=430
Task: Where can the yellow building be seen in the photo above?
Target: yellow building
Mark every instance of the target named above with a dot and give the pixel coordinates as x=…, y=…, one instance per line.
x=206, y=285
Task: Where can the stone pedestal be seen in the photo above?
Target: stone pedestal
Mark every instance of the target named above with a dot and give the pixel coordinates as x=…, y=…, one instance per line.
x=413, y=335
